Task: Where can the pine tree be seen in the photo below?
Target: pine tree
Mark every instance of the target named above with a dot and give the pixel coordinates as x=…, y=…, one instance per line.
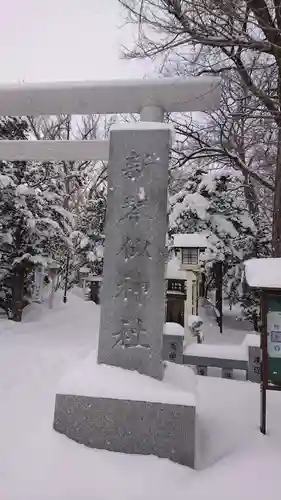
x=93, y=222
x=211, y=202
x=89, y=238
x=33, y=221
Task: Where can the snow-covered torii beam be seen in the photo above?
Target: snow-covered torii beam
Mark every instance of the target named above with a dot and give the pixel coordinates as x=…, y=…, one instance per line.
x=54, y=150
x=110, y=97
x=150, y=98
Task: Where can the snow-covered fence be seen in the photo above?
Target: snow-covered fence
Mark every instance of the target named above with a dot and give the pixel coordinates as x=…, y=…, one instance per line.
x=245, y=357
x=228, y=358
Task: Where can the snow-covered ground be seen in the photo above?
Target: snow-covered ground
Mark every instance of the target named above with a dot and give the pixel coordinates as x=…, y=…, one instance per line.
x=234, y=460
x=234, y=329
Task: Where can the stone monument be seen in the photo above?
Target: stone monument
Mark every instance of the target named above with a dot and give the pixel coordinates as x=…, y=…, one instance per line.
x=133, y=314
x=133, y=294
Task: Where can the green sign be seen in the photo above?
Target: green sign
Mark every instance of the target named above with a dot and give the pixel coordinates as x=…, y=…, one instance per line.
x=274, y=338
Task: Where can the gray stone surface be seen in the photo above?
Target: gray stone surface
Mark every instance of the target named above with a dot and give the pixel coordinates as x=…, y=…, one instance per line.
x=173, y=348
x=202, y=370
x=227, y=373
x=254, y=368
x=132, y=295
x=236, y=364
x=164, y=430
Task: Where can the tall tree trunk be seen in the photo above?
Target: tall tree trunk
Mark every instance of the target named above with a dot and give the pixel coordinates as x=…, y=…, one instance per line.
x=249, y=190
x=276, y=223
x=276, y=227
x=18, y=273
x=218, y=274
x=17, y=295
x=250, y=196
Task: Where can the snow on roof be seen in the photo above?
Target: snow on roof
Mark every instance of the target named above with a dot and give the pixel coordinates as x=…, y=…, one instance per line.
x=190, y=240
x=144, y=125
x=93, y=277
x=173, y=270
x=263, y=273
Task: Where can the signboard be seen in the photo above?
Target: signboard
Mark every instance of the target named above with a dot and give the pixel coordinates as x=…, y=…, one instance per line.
x=271, y=348
x=274, y=327
x=274, y=339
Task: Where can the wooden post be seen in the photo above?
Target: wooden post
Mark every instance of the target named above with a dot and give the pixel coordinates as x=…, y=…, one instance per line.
x=66, y=278
x=264, y=363
x=218, y=270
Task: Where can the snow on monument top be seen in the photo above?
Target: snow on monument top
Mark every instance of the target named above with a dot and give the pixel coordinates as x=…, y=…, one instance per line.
x=142, y=126
x=109, y=97
x=263, y=273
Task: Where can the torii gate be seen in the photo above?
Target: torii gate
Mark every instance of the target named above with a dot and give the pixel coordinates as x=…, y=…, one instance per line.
x=150, y=98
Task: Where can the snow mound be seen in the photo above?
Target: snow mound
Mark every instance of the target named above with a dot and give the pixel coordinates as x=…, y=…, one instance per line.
x=173, y=329
x=252, y=339
x=103, y=381
x=60, y=314
x=194, y=320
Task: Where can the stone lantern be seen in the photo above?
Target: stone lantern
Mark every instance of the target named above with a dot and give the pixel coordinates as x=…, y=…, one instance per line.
x=53, y=268
x=187, y=249
x=84, y=273
x=95, y=283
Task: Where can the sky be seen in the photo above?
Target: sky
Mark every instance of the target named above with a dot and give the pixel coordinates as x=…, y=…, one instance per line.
x=59, y=40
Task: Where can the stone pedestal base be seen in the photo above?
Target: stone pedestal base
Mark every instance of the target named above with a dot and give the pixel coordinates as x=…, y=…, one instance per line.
x=145, y=428
x=121, y=410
